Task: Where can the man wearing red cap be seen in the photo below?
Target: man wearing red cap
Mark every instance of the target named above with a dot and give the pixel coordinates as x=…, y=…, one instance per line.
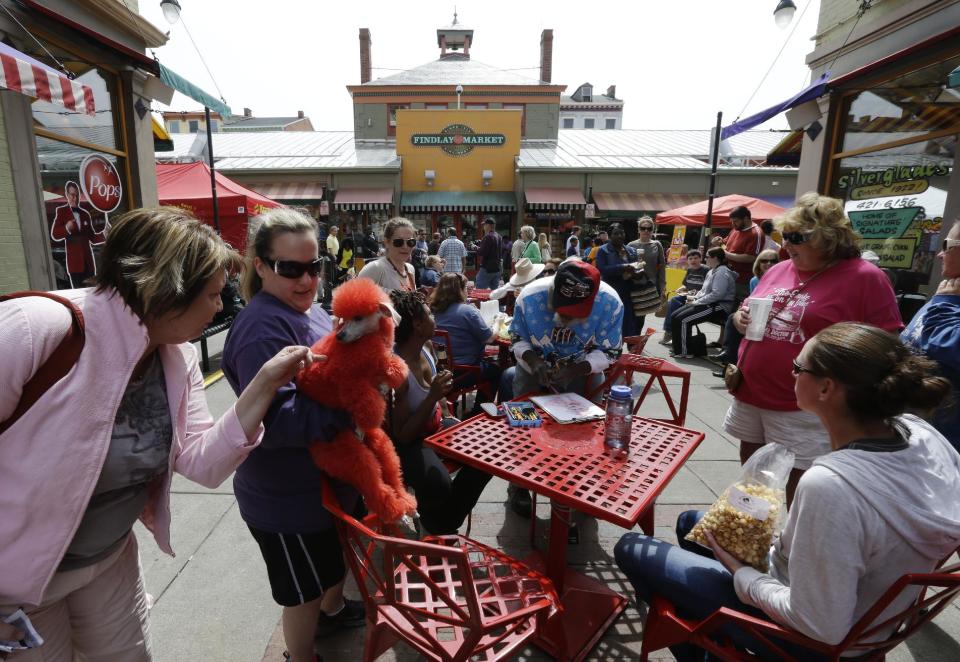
x=565, y=333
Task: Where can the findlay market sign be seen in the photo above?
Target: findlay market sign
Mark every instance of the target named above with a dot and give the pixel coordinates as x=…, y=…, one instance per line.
x=458, y=139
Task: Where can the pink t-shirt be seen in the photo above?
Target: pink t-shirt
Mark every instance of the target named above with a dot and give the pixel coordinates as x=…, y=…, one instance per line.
x=849, y=291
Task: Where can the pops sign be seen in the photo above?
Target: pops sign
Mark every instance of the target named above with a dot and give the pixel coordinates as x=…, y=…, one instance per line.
x=101, y=183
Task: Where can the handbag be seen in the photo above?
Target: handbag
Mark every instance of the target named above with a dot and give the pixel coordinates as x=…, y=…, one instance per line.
x=732, y=374
x=56, y=367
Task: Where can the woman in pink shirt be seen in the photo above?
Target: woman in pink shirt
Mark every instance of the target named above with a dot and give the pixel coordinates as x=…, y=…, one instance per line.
x=823, y=282
x=96, y=452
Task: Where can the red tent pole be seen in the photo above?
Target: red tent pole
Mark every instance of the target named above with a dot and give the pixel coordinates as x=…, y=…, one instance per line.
x=213, y=175
x=704, y=236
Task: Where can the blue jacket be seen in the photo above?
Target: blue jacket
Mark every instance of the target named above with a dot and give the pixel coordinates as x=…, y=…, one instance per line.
x=935, y=332
x=610, y=265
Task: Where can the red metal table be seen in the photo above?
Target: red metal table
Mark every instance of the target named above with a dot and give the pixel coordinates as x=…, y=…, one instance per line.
x=475, y=296
x=628, y=364
x=569, y=465
x=500, y=349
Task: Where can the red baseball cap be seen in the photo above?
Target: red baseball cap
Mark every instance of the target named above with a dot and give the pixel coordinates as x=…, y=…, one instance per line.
x=575, y=286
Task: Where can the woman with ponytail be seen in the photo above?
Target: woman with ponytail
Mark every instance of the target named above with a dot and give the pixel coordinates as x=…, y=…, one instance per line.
x=882, y=503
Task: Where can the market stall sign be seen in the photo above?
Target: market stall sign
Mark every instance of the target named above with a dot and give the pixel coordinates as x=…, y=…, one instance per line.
x=101, y=183
x=895, y=253
x=458, y=139
x=859, y=178
x=883, y=223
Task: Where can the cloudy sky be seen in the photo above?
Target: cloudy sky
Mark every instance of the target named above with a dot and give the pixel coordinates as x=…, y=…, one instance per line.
x=675, y=63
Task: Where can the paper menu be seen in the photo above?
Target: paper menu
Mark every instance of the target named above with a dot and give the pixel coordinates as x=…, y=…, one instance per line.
x=568, y=407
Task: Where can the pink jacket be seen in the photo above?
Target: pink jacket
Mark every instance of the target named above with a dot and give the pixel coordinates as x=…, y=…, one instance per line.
x=51, y=458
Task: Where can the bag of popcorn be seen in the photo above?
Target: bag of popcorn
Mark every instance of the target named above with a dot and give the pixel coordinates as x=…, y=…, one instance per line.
x=748, y=513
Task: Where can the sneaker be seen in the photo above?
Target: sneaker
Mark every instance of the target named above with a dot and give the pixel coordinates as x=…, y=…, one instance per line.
x=714, y=344
x=718, y=373
x=666, y=340
x=520, y=503
x=353, y=615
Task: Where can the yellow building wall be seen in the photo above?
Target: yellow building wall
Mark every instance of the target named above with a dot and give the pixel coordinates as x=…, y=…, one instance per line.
x=458, y=173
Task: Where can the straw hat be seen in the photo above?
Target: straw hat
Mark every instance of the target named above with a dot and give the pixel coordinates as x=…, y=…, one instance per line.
x=526, y=272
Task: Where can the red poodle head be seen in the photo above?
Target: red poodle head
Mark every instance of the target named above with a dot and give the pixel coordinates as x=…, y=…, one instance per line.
x=361, y=307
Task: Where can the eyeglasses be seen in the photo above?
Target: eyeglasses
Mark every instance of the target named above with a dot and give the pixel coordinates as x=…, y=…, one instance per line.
x=293, y=269
x=949, y=243
x=397, y=243
x=549, y=272
x=797, y=238
x=770, y=261
x=797, y=369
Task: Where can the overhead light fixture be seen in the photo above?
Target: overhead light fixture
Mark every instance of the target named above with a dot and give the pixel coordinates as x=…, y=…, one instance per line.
x=430, y=175
x=487, y=175
x=171, y=10
x=784, y=12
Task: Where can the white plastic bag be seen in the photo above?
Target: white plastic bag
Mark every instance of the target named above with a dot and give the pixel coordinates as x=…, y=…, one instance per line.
x=750, y=512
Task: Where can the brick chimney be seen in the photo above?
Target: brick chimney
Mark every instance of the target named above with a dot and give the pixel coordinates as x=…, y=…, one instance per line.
x=366, y=64
x=247, y=112
x=612, y=91
x=546, y=56
x=300, y=114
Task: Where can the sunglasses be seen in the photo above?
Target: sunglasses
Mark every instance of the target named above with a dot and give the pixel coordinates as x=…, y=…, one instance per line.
x=797, y=369
x=797, y=238
x=646, y=228
x=397, y=243
x=292, y=269
x=949, y=243
x=768, y=261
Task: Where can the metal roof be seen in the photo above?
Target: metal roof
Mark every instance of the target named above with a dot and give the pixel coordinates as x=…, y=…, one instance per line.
x=454, y=72
x=239, y=122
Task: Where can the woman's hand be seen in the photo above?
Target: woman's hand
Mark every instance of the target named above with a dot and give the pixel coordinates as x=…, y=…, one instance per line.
x=628, y=271
x=285, y=365
x=11, y=632
x=741, y=319
x=441, y=385
x=949, y=286
x=728, y=560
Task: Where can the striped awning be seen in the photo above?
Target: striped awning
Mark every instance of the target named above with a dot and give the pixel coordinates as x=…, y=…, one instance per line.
x=21, y=73
x=639, y=202
x=554, y=198
x=363, y=199
x=490, y=201
x=305, y=191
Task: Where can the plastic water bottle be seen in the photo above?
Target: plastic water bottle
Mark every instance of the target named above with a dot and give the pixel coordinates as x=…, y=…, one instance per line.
x=616, y=432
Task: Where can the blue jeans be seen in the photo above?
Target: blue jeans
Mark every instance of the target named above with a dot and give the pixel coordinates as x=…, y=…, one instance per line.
x=675, y=303
x=487, y=280
x=690, y=578
x=731, y=340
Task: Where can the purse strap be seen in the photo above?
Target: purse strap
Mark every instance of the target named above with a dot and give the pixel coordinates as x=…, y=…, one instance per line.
x=786, y=302
x=56, y=367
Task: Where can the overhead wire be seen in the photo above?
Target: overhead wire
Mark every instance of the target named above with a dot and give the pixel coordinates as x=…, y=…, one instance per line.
x=60, y=64
x=200, y=55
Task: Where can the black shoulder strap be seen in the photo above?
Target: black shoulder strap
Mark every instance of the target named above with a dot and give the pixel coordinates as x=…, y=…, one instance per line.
x=56, y=367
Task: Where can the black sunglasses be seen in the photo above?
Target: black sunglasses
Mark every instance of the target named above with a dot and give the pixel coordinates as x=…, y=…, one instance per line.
x=397, y=243
x=797, y=369
x=796, y=238
x=770, y=261
x=646, y=228
x=293, y=269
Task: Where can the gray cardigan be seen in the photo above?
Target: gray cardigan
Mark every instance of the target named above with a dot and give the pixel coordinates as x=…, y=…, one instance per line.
x=719, y=289
x=654, y=262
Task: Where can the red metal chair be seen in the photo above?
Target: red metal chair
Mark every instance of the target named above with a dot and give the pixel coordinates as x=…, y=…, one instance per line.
x=629, y=364
x=449, y=597
x=466, y=378
x=665, y=628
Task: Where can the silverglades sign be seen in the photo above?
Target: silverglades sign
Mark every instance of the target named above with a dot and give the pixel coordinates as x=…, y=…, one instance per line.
x=458, y=139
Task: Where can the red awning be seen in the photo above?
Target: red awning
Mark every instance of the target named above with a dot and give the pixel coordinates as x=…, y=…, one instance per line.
x=554, y=198
x=306, y=191
x=640, y=202
x=696, y=214
x=21, y=73
x=187, y=185
x=353, y=199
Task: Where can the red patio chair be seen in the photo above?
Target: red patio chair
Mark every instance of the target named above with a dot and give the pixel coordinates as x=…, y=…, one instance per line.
x=937, y=590
x=462, y=374
x=449, y=597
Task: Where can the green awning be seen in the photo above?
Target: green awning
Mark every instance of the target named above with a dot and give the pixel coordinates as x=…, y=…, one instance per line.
x=492, y=201
x=953, y=80
x=180, y=84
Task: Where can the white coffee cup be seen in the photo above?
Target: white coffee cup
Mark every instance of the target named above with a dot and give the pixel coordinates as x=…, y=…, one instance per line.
x=759, y=312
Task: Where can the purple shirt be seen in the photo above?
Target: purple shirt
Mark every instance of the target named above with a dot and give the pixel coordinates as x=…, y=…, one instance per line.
x=278, y=487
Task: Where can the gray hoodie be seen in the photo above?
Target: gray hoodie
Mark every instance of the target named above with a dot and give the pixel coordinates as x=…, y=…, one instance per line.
x=860, y=521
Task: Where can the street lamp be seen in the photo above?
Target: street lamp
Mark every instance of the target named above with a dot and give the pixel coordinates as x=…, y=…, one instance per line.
x=171, y=10
x=784, y=12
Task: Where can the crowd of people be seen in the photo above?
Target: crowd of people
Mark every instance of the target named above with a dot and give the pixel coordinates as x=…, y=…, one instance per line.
x=866, y=412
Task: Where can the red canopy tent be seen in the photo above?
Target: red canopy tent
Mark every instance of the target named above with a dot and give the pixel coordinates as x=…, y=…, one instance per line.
x=696, y=214
x=187, y=185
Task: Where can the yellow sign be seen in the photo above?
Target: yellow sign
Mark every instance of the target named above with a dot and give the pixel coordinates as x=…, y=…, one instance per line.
x=895, y=253
x=884, y=191
x=676, y=244
x=438, y=140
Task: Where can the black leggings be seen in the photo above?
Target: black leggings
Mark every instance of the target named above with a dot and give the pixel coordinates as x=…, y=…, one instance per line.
x=443, y=502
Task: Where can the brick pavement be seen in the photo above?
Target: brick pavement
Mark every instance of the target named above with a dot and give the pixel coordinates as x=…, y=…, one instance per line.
x=212, y=601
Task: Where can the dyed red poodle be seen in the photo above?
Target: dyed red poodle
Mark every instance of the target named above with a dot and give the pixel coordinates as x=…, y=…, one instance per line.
x=360, y=366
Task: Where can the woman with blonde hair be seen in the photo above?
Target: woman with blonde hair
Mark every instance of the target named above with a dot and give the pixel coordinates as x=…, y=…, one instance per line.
x=532, y=249
x=823, y=282
x=97, y=452
x=544, y=245
x=766, y=259
x=278, y=487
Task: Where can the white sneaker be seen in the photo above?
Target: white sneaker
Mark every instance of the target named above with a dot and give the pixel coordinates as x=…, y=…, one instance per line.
x=667, y=339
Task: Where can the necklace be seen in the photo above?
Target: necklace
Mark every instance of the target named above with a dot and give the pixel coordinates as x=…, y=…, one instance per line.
x=403, y=273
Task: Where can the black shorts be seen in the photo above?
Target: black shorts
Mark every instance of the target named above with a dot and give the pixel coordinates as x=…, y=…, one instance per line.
x=301, y=566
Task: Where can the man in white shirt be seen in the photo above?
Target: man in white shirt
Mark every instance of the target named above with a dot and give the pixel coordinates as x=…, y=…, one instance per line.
x=333, y=244
x=453, y=252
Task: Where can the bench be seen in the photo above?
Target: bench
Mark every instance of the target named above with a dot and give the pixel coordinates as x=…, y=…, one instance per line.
x=209, y=332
